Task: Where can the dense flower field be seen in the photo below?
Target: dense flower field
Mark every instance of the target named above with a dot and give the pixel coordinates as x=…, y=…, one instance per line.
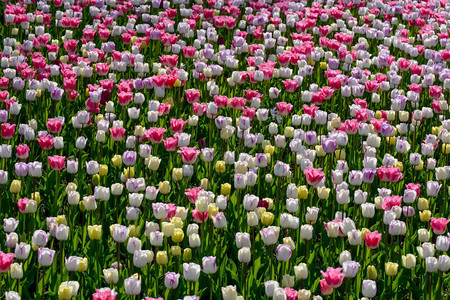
x=270, y=149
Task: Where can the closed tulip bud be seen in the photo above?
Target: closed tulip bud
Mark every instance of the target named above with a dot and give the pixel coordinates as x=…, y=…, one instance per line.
x=391, y=268
x=162, y=258
x=61, y=219
x=422, y=204
x=252, y=219
x=164, y=187
x=187, y=254
x=304, y=294
x=168, y=229
x=444, y=263
x=369, y=288
x=191, y=271
x=269, y=149
x=301, y=271
x=220, y=166
x=225, y=189
x=425, y=216
x=212, y=209
x=244, y=255
x=306, y=232
x=419, y=167
x=133, y=245
x=288, y=241
x=409, y=261
x=129, y=172
x=423, y=235
x=16, y=271
x=372, y=272
x=431, y=264
x=442, y=243
x=16, y=186
x=194, y=240
x=132, y=285
x=36, y=197
x=289, y=131
x=82, y=267
x=103, y=170
x=177, y=174
x=323, y=192
x=153, y=163
x=134, y=230
x=117, y=160
x=178, y=235
x=95, y=232
x=65, y=291
x=177, y=222
x=345, y=256
x=302, y=192
x=446, y=148
x=267, y=218
x=171, y=280
x=319, y=151
x=204, y=183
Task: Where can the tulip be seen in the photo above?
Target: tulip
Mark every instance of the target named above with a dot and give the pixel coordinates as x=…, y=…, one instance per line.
x=162, y=258
x=333, y=277
x=191, y=271
x=111, y=275
x=244, y=255
x=209, y=264
x=369, y=288
x=301, y=271
x=409, y=261
x=171, y=280
x=229, y=292
x=283, y=252
x=391, y=268
x=46, y=256
x=431, y=264
x=132, y=286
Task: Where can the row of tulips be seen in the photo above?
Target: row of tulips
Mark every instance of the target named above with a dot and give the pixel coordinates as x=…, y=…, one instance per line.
x=224, y=149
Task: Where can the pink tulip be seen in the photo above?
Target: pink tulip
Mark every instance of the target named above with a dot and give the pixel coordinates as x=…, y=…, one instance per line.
x=372, y=239
x=391, y=174
x=57, y=162
x=189, y=154
x=325, y=289
x=104, y=294
x=291, y=294
x=199, y=217
x=192, y=95
x=22, y=204
x=333, y=277
x=391, y=201
x=435, y=91
x=439, y=225
x=55, y=125
x=284, y=108
x=6, y=260
x=177, y=125
x=117, y=133
x=313, y=176
x=192, y=194
x=290, y=85
x=171, y=144
x=22, y=151
x=154, y=134
x=414, y=187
